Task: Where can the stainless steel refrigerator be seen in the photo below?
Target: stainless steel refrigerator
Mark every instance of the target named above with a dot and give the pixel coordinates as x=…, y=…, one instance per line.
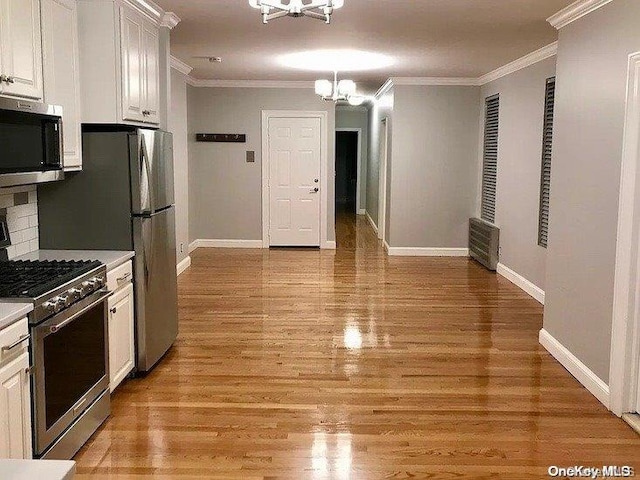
x=123, y=200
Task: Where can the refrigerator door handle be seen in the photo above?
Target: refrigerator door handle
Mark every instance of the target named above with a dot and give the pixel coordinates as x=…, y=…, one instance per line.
x=147, y=251
x=146, y=180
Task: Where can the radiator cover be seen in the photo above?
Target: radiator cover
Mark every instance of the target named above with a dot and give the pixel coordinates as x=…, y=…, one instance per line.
x=484, y=243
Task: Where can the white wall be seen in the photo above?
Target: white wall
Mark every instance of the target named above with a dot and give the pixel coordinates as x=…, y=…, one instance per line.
x=177, y=119
x=225, y=191
x=591, y=85
x=434, y=165
x=522, y=97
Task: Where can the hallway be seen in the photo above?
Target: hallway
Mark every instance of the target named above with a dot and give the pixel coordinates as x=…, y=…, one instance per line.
x=307, y=364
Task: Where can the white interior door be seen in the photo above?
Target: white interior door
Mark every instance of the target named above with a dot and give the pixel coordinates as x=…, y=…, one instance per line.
x=294, y=182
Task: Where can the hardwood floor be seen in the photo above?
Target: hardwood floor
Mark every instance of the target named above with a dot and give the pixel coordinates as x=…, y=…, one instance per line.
x=352, y=365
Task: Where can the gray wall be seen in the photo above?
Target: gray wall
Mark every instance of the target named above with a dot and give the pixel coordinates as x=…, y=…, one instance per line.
x=178, y=126
x=225, y=192
x=357, y=117
x=585, y=181
x=522, y=97
x=381, y=109
x=434, y=167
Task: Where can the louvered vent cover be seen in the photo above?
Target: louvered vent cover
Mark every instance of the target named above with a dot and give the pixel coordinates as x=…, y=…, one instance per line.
x=490, y=162
x=545, y=180
x=484, y=243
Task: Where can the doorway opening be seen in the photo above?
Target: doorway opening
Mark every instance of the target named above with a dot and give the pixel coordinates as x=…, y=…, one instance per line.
x=347, y=181
x=349, y=200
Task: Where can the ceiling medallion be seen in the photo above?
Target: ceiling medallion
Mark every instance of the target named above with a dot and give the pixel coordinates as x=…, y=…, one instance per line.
x=320, y=9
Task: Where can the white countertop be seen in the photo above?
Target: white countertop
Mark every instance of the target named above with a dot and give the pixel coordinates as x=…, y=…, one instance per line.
x=11, y=313
x=110, y=258
x=37, y=469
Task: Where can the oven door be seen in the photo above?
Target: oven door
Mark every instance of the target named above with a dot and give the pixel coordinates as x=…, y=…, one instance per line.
x=70, y=358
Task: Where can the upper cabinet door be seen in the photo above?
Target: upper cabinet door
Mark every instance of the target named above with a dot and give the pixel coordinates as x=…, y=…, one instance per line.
x=61, y=73
x=132, y=65
x=21, y=48
x=151, y=77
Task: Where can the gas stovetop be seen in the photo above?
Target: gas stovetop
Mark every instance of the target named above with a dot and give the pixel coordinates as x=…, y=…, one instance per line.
x=52, y=286
x=30, y=279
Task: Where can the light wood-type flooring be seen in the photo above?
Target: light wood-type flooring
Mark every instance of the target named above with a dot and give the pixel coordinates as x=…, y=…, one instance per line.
x=307, y=364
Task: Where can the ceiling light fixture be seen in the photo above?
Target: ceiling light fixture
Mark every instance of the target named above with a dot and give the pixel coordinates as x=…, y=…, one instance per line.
x=339, y=91
x=320, y=9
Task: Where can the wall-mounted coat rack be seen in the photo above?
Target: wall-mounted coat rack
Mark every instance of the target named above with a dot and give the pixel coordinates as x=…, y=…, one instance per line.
x=221, y=137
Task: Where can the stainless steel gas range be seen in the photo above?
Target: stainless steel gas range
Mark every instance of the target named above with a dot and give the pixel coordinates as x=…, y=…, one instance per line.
x=69, y=349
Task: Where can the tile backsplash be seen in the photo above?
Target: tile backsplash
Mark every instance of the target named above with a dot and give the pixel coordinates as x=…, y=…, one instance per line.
x=20, y=204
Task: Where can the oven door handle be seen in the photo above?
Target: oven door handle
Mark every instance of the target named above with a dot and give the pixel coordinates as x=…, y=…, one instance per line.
x=58, y=326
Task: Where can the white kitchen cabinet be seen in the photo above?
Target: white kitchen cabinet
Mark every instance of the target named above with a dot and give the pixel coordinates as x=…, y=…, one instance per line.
x=20, y=49
x=15, y=393
x=151, y=75
x=121, y=335
x=61, y=73
x=120, y=80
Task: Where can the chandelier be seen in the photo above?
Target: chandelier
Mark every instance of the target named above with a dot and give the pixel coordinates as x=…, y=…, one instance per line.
x=320, y=9
x=339, y=91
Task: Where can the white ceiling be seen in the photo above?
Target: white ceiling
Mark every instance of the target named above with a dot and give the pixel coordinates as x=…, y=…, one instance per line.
x=427, y=38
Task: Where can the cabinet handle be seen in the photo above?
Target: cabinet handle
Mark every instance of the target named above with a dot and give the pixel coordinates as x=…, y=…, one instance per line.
x=11, y=80
x=3, y=78
x=123, y=278
x=114, y=310
x=22, y=339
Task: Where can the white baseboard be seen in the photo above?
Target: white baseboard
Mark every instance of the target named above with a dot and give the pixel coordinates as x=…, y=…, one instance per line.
x=373, y=224
x=362, y=211
x=183, y=265
x=519, y=281
x=213, y=243
x=427, y=252
x=329, y=245
x=386, y=245
x=579, y=370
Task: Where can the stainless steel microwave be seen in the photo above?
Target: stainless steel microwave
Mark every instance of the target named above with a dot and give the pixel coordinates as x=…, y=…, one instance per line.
x=31, y=147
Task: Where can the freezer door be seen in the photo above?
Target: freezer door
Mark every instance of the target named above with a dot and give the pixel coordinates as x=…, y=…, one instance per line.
x=151, y=171
x=156, y=286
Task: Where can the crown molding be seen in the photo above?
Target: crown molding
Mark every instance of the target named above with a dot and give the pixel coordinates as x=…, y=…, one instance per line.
x=170, y=20
x=148, y=8
x=180, y=66
x=435, y=81
x=386, y=86
x=195, y=82
x=523, y=62
x=575, y=11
